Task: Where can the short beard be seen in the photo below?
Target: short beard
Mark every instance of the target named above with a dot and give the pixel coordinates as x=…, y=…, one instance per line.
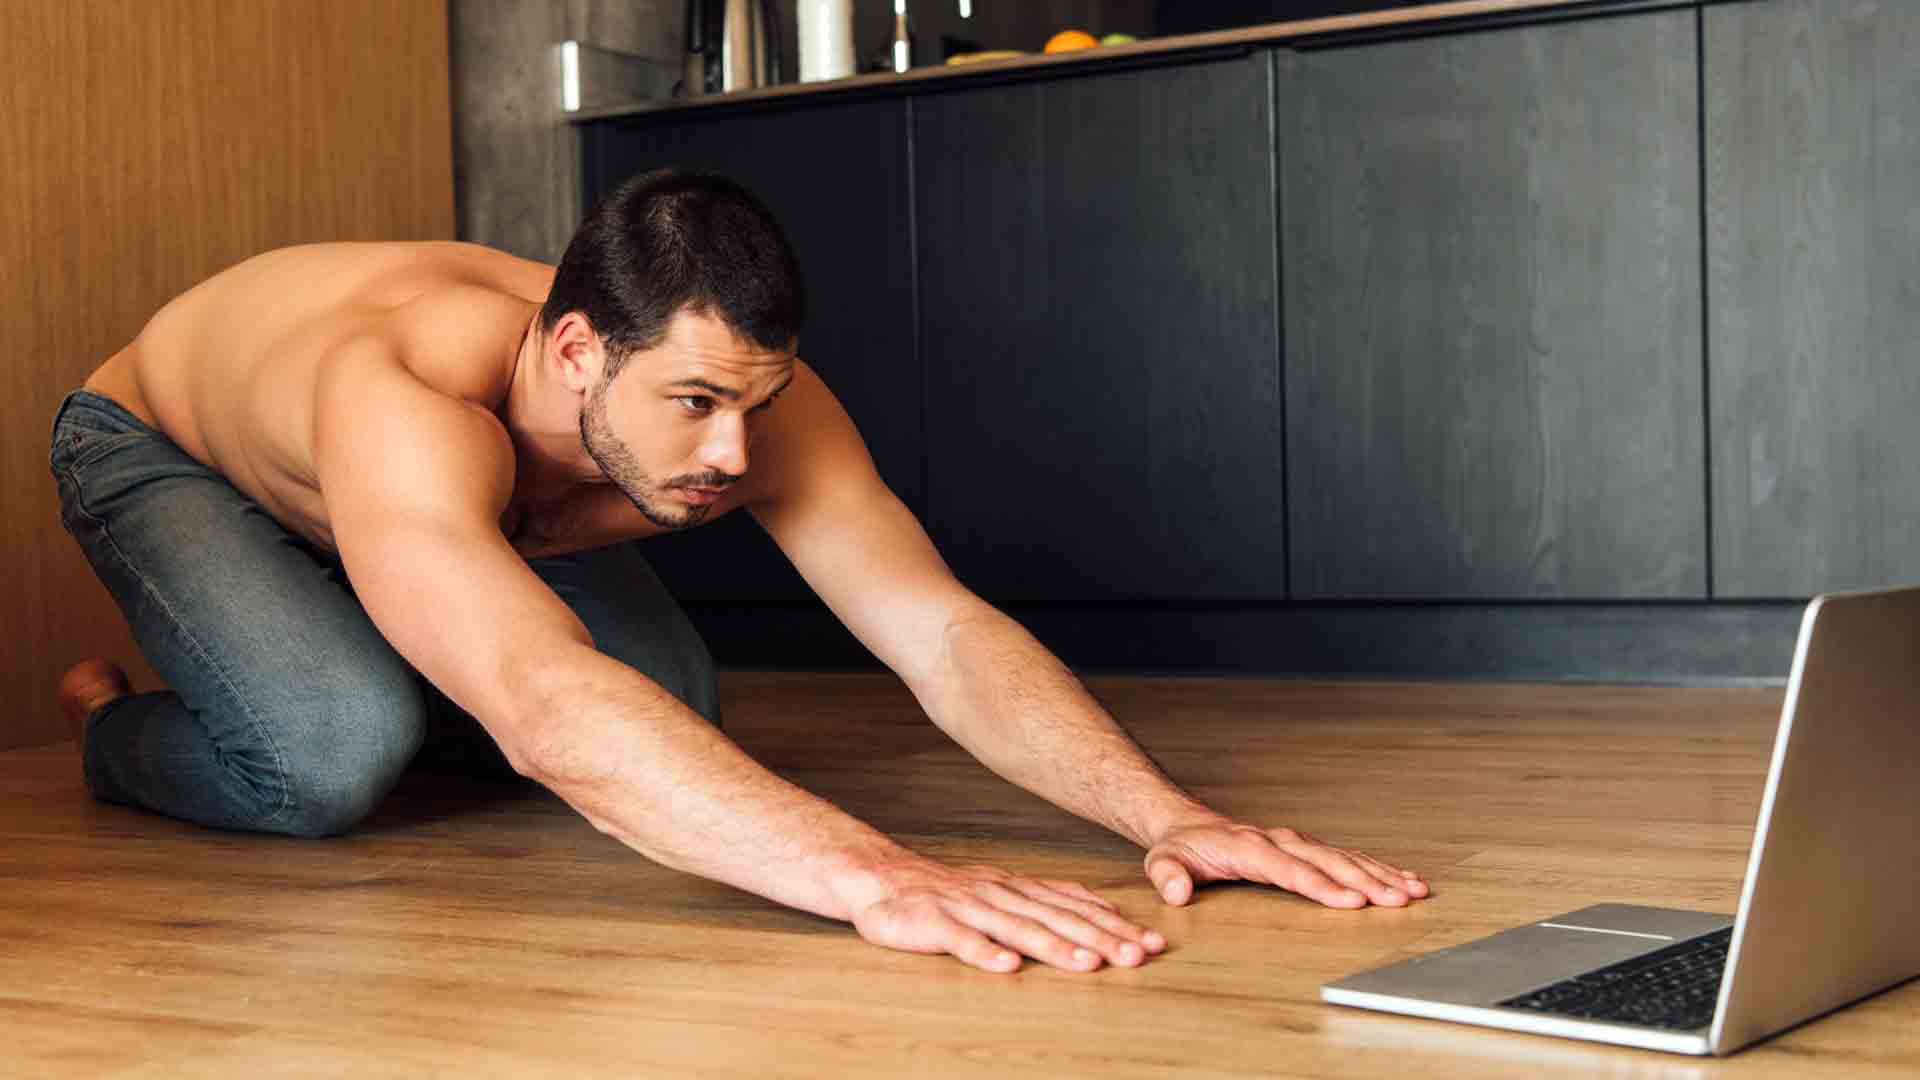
x=619, y=465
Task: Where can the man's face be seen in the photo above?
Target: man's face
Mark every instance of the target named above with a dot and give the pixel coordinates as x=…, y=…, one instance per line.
x=672, y=430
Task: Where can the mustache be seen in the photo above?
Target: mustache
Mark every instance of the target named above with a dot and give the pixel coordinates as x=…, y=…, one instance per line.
x=710, y=479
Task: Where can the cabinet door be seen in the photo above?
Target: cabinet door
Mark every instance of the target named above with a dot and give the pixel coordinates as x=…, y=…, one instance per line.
x=1813, y=211
x=836, y=178
x=1098, y=306
x=1493, y=314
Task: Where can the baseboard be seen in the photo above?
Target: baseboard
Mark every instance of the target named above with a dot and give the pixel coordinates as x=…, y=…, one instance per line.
x=1670, y=644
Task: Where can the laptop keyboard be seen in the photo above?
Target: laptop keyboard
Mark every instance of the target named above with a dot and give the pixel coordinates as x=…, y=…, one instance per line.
x=1675, y=988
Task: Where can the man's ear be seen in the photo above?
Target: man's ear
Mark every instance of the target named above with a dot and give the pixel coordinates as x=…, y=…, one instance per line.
x=577, y=352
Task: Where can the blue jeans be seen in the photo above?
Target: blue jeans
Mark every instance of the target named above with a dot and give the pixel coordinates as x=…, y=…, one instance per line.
x=287, y=711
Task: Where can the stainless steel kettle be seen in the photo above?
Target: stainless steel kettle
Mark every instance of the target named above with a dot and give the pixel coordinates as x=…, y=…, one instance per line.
x=731, y=45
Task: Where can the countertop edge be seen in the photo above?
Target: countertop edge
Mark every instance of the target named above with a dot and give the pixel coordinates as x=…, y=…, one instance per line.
x=1118, y=55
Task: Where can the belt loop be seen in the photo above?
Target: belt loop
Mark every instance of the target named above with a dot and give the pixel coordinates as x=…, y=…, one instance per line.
x=53, y=433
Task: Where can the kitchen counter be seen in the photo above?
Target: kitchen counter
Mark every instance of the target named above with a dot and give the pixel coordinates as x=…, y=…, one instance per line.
x=1301, y=32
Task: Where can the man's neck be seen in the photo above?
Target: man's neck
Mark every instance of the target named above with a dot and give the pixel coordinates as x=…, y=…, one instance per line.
x=544, y=424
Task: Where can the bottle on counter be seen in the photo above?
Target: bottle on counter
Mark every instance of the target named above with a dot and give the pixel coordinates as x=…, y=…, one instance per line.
x=902, y=37
x=826, y=39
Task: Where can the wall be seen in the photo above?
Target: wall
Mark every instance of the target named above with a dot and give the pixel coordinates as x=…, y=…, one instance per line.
x=516, y=159
x=149, y=144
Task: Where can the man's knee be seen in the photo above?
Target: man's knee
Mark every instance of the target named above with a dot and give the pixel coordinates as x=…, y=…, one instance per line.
x=676, y=657
x=694, y=678
x=634, y=619
x=347, y=757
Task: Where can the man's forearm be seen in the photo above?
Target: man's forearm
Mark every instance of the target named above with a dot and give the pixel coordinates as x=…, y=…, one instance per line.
x=1012, y=704
x=647, y=770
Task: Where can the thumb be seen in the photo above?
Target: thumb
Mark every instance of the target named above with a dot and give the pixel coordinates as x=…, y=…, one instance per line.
x=1170, y=879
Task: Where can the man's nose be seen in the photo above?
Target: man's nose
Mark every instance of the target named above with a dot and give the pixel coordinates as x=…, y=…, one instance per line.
x=726, y=450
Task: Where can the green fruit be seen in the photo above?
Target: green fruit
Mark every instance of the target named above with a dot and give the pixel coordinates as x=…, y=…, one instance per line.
x=1118, y=39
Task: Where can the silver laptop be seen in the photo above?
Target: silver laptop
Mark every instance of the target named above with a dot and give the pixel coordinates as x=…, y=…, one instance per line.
x=1827, y=913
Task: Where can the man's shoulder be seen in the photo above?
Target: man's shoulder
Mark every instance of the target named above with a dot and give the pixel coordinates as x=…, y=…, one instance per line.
x=456, y=337
x=374, y=375
x=378, y=424
x=809, y=443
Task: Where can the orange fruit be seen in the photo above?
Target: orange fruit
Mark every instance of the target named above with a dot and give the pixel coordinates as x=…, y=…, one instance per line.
x=1069, y=40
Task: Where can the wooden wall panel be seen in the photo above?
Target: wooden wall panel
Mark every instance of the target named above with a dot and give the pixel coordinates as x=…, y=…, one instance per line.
x=148, y=144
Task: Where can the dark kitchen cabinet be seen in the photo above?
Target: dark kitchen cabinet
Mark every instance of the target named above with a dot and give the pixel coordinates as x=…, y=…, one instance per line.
x=1099, y=324
x=1813, y=241
x=1493, y=314
x=1420, y=354
x=836, y=178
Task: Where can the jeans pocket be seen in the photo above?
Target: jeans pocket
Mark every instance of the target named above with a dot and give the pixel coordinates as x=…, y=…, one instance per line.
x=81, y=448
x=80, y=523
x=69, y=491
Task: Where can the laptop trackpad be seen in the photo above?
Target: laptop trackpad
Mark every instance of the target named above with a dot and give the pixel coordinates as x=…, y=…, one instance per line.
x=1525, y=958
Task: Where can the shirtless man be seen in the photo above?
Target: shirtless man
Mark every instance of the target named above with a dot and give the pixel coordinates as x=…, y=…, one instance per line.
x=335, y=482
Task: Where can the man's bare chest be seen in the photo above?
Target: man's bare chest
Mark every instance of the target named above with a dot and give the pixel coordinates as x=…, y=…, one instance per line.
x=579, y=519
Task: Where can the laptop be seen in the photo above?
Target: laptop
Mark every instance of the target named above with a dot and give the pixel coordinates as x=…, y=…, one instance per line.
x=1827, y=912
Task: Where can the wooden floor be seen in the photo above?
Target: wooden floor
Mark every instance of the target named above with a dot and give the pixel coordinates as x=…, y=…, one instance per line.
x=476, y=929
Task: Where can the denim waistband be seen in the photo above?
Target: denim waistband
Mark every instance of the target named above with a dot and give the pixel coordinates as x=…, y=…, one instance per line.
x=84, y=414
x=107, y=412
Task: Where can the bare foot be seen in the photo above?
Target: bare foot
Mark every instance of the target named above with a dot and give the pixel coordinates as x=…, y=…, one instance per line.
x=86, y=687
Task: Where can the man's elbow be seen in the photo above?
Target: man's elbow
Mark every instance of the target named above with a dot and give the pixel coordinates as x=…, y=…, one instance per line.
x=528, y=718
x=512, y=731
x=523, y=760
x=965, y=626
x=534, y=736
x=558, y=757
x=552, y=722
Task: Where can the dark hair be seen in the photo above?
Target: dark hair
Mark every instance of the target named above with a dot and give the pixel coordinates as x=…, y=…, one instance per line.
x=670, y=240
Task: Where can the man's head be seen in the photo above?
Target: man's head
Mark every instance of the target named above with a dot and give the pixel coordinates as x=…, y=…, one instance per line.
x=685, y=281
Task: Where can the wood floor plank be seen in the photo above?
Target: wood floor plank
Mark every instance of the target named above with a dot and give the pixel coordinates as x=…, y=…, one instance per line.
x=484, y=929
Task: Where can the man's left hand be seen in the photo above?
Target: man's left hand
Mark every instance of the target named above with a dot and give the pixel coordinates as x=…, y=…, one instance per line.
x=1229, y=851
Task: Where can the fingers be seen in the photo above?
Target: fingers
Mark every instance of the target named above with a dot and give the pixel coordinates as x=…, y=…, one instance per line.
x=1027, y=935
x=1075, y=889
x=1384, y=871
x=1337, y=877
x=1170, y=879
x=1285, y=857
x=970, y=946
x=1057, y=923
x=1093, y=923
x=988, y=918
x=1251, y=856
x=1393, y=875
x=1297, y=874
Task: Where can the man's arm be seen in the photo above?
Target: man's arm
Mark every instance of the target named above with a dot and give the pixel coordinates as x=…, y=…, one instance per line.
x=415, y=484
x=998, y=692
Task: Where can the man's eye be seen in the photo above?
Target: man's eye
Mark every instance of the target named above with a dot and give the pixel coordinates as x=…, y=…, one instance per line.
x=698, y=405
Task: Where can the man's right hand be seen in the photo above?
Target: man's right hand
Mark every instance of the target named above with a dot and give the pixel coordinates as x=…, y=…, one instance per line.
x=988, y=918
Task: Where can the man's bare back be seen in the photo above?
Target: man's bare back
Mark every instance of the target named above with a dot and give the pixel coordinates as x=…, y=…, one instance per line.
x=227, y=370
